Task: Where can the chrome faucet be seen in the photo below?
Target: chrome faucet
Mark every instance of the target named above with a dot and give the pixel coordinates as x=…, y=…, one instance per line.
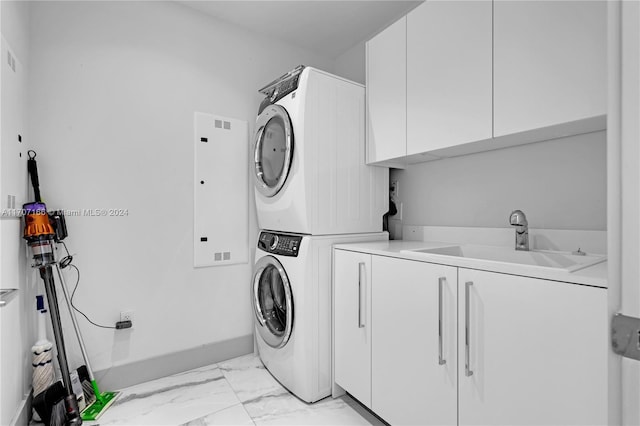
x=519, y=220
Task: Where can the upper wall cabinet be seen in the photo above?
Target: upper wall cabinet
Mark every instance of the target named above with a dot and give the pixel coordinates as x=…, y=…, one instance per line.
x=387, y=93
x=448, y=74
x=550, y=63
x=458, y=77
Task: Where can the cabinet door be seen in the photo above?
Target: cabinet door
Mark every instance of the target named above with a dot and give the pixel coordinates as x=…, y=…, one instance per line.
x=537, y=351
x=387, y=94
x=449, y=66
x=414, y=376
x=549, y=63
x=352, y=323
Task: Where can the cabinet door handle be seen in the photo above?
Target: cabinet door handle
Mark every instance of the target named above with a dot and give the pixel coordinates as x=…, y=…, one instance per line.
x=361, y=277
x=441, y=360
x=467, y=329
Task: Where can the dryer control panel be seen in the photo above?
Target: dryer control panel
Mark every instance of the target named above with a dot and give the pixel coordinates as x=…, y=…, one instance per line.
x=283, y=85
x=280, y=244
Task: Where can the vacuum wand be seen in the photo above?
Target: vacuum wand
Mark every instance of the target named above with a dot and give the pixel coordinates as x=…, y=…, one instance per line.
x=71, y=403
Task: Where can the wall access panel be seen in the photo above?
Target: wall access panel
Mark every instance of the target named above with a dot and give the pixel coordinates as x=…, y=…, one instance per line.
x=221, y=191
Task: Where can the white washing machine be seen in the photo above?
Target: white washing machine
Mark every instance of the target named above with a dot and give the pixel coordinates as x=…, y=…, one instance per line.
x=291, y=296
x=309, y=158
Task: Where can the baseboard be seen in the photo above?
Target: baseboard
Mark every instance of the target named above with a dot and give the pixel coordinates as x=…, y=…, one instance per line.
x=23, y=413
x=121, y=376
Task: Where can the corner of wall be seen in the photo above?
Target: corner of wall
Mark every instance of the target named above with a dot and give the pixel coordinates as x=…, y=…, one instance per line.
x=351, y=64
x=16, y=316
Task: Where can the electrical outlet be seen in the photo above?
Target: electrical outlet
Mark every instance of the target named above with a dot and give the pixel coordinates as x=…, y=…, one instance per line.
x=394, y=189
x=126, y=316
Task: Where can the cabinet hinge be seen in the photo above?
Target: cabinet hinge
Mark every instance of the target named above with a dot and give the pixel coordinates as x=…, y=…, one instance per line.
x=625, y=336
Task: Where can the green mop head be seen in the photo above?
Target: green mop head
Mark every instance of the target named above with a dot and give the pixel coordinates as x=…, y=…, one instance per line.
x=103, y=401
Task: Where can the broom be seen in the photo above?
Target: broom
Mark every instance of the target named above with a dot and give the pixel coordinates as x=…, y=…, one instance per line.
x=101, y=400
x=42, y=356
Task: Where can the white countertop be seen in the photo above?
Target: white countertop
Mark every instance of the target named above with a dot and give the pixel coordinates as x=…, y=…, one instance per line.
x=595, y=275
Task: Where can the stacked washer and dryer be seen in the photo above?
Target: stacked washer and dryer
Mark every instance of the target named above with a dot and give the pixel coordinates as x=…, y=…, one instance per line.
x=312, y=190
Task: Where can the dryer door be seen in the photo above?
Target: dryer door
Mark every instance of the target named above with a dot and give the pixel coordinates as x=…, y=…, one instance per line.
x=273, y=150
x=272, y=302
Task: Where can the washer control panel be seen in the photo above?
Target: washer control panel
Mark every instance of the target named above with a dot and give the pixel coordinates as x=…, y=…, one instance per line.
x=280, y=244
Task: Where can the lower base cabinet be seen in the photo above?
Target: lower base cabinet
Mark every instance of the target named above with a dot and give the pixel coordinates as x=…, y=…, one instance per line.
x=428, y=344
x=413, y=357
x=537, y=351
x=352, y=323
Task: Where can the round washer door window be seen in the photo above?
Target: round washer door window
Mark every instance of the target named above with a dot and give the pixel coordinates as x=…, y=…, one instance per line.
x=272, y=302
x=273, y=150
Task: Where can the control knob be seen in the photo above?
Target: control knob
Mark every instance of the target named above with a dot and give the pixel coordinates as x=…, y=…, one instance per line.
x=273, y=243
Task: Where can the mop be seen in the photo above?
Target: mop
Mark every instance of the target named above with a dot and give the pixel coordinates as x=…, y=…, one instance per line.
x=42, y=356
x=102, y=399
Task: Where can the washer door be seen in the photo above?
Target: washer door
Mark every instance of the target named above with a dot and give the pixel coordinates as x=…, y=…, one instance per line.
x=273, y=150
x=272, y=302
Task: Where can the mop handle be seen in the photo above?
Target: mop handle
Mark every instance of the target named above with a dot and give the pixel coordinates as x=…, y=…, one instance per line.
x=72, y=314
x=42, y=325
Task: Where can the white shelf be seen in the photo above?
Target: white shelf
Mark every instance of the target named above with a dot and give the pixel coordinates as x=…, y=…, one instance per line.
x=6, y=295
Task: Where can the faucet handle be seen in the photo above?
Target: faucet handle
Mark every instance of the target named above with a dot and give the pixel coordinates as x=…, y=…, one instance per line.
x=518, y=218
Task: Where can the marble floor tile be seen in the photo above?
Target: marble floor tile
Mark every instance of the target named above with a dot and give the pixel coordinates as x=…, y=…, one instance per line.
x=282, y=408
x=235, y=392
x=172, y=400
x=249, y=378
x=235, y=415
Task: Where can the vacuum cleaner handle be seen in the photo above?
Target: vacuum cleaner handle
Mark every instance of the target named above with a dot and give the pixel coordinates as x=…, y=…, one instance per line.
x=32, y=167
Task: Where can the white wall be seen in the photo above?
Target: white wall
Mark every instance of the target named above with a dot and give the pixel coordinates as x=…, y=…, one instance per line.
x=15, y=21
x=351, y=64
x=17, y=316
x=559, y=184
x=114, y=86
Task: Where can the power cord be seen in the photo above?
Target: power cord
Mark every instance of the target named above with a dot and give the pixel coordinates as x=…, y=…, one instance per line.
x=65, y=262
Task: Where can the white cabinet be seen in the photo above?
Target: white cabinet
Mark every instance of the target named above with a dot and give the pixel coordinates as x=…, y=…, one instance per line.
x=352, y=323
x=550, y=63
x=458, y=77
x=386, y=77
x=537, y=351
x=448, y=74
x=414, y=368
x=421, y=343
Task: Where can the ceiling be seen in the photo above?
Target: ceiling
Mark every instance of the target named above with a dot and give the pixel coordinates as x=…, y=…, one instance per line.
x=329, y=27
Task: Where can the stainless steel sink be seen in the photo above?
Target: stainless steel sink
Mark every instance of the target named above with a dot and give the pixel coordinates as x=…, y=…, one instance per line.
x=540, y=258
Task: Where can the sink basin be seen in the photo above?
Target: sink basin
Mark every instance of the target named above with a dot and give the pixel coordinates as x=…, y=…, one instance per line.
x=540, y=258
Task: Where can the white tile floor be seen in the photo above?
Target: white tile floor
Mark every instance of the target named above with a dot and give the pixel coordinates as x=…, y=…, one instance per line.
x=235, y=392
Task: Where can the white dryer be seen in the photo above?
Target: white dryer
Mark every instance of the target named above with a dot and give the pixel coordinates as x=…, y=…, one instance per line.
x=309, y=158
x=291, y=296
